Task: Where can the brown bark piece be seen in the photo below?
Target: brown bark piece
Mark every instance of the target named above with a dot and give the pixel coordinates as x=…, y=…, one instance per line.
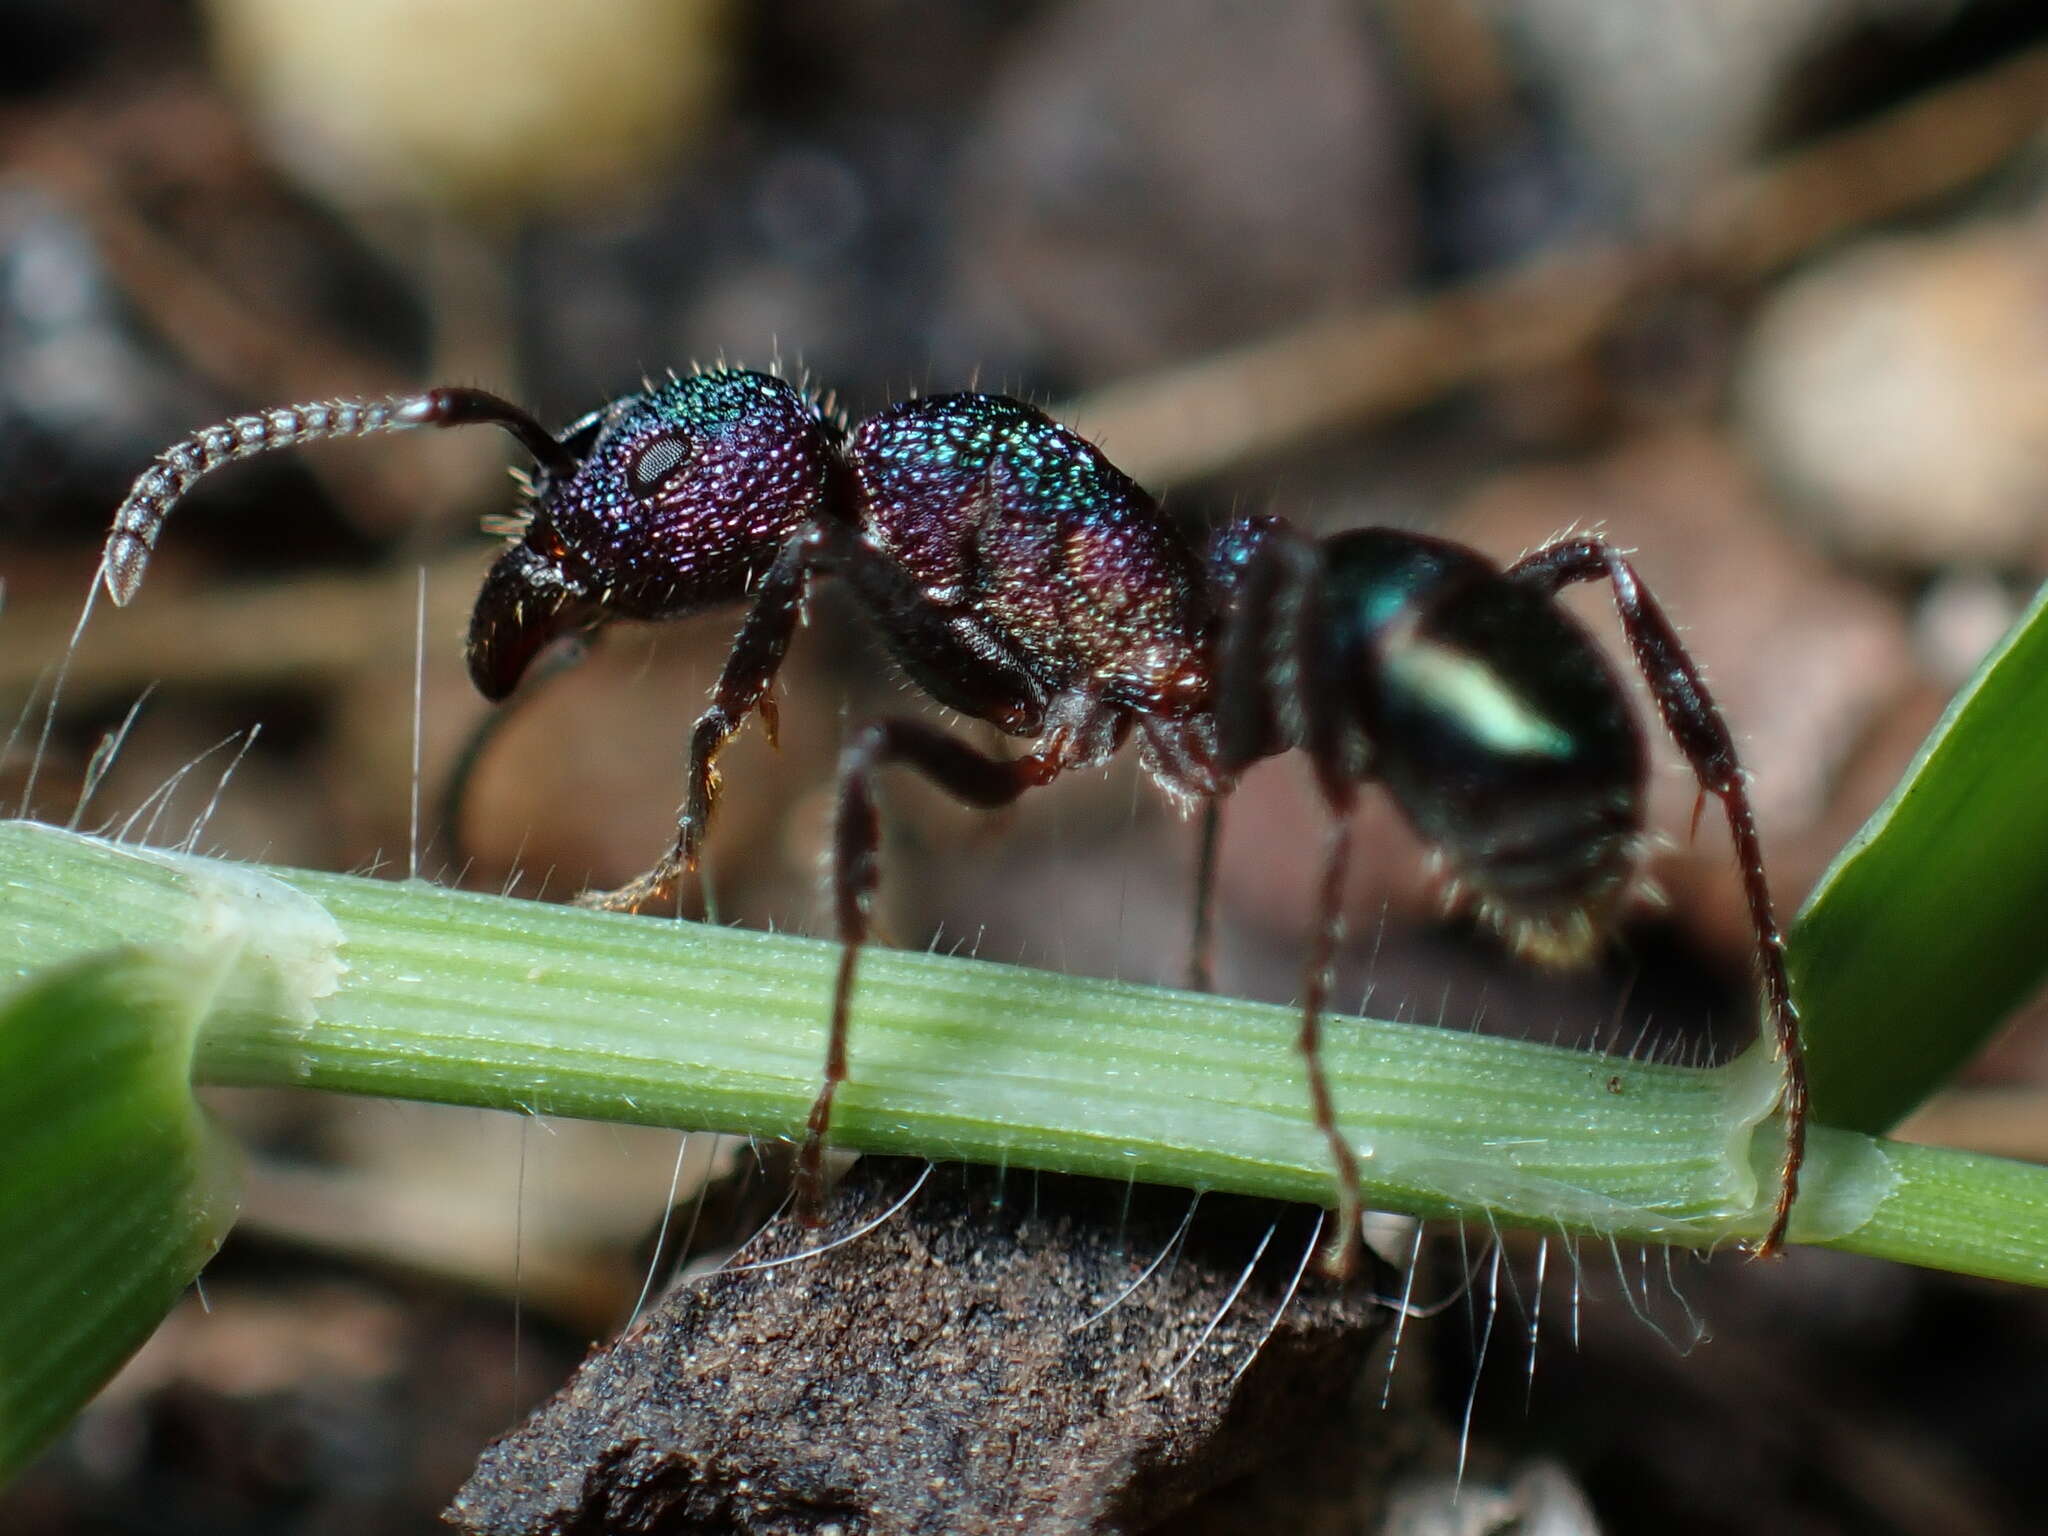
x=941, y=1372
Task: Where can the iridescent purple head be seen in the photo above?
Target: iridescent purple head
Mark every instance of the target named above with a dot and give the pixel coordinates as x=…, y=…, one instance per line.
x=679, y=499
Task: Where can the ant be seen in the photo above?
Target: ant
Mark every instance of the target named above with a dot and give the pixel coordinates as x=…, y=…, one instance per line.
x=1020, y=578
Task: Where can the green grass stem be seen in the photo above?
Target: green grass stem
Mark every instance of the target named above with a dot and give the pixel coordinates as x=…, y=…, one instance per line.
x=413, y=991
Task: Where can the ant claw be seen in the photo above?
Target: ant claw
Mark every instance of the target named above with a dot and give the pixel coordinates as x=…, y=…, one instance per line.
x=657, y=887
x=1343, y=1256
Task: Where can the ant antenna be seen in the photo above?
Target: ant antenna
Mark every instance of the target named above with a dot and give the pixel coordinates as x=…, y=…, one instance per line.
x=160, y=487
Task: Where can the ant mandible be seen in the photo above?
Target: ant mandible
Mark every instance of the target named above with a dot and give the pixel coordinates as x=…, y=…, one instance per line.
x=1019, y=578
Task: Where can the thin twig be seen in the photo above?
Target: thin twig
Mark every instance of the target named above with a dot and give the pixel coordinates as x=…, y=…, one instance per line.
x=1344, y=370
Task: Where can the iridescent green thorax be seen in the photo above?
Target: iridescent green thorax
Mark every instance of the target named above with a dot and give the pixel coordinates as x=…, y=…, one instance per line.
x=1023, y=530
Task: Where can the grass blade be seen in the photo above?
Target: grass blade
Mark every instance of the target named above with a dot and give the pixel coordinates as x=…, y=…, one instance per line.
x=115, y=1189
x=1926, y=933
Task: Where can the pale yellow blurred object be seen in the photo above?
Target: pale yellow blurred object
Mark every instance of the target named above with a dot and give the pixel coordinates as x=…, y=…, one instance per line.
x=1900, y=390
x=494, y=107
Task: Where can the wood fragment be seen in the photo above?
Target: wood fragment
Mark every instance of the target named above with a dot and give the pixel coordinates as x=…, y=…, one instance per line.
x=947, y=1370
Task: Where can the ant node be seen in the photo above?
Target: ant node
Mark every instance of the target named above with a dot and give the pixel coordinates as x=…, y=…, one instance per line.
x=1020, y=578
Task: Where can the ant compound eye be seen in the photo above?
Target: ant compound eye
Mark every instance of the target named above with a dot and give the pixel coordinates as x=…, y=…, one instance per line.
x=656, y=463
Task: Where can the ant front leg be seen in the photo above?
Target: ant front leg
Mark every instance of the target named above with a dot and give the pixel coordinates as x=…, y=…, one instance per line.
x=750, y=669
x=968, y=775
x=1695, y=723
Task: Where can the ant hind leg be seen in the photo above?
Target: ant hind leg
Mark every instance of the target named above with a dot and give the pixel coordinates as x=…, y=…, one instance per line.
x=1695, y=723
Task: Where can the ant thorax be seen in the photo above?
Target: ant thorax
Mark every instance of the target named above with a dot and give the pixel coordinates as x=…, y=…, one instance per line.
x=1037, y=551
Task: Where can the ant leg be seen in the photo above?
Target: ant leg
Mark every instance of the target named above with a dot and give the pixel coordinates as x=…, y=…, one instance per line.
x=455, y=796
x=1347, y=1244
x=1256, y=658
x=1244, y=726
x=963, y=772
x=1271, y=692
x=1695, y=723
x=750, y=668
x=1202, y=949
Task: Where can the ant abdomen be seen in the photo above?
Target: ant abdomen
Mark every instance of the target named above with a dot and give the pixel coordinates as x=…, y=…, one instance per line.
x=1495, y=722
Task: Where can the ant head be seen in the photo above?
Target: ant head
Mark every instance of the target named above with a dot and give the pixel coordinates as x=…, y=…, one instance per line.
x=657, y=505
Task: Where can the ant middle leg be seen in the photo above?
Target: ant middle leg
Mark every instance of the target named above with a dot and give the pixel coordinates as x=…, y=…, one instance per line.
x=1348, y=1244
x=1201, y=975
x=1696, y=724
x=1273, y=691
x=971, y=776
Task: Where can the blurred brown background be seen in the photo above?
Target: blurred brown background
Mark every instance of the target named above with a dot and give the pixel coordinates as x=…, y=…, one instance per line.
x=1760, y=287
